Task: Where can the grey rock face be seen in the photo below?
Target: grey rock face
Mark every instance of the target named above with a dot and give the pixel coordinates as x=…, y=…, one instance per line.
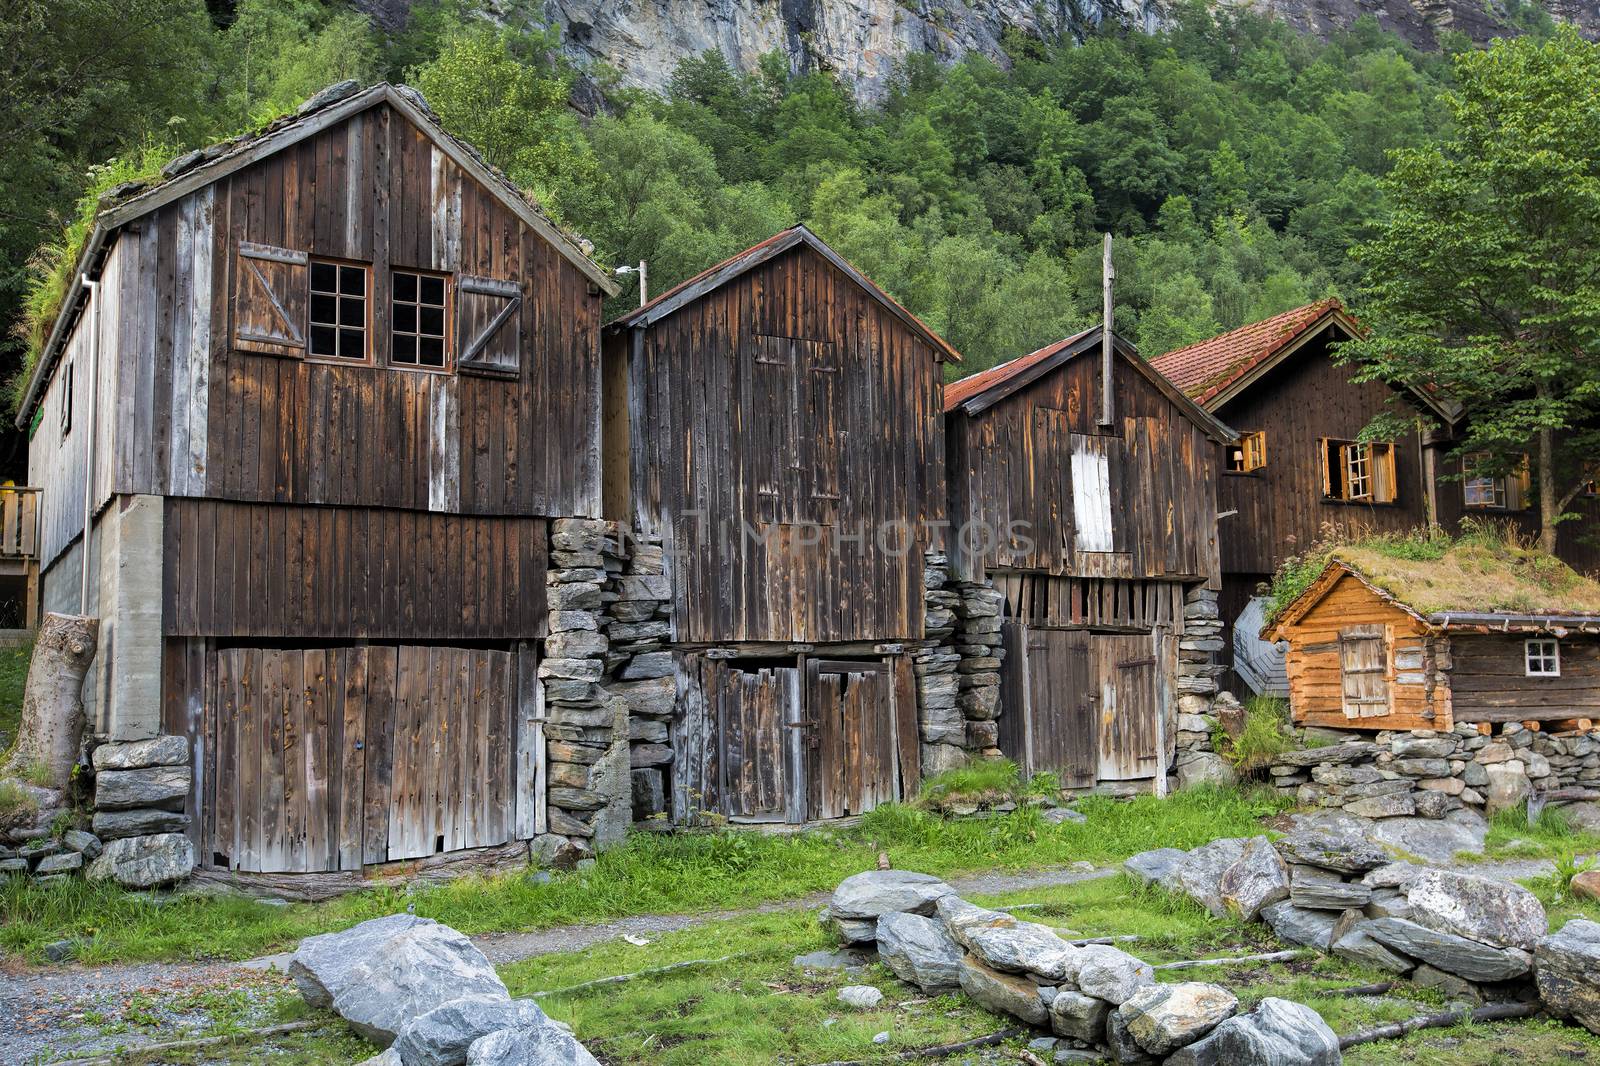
x=113, y=825
x=1453, y=954
x=1434, y=839
x=1204, y=768
x=1125, y=1050
x=442, y=1036
x=1079, y=1016
x=920, y=952
x=1330, y=895
x=1493, y=912
x=1004, y=993
x=1358, y=947
x=1111, y=974
x=532, y=1045
x=1150, y=866
x=1258, y=878
x=120, y=790
x=139, y=754
x=877, y=892
x=144, y=862
x=86, y=844
x=1200, y=875
x=1276, y=1032
x=860, y=997
x=1347, y=854
x=65, y=863
x=1021, y=948
x=321, y=964
x=1567, y=969
x=409, y=973
x=1297, y=926
x=1163, y=1018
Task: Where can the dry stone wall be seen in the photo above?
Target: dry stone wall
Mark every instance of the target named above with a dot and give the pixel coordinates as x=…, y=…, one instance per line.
x=957, y=666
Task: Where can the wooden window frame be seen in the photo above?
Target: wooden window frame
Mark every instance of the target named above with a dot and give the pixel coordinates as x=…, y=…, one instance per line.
x=1499, y=486
x=68, y=382
x=1544, y=651
x=1251, y=451
x=447, y=311
x=366, y=327
x=1370, y=463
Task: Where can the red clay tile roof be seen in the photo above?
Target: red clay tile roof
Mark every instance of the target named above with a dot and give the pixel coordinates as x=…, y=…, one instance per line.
x=1205, y=370
x=959, y=392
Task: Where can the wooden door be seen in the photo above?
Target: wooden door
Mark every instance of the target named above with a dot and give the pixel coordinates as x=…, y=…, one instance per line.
x=328, y=758
x=758, y=716
x=1127, y=671
x=1363, y=670
x=1055, y=728
x=853, y=757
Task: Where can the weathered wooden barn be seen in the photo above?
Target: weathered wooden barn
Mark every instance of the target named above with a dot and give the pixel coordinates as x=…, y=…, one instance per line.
x=1480, y=636
x=1297, y=473
x=1093, y=518
x=774, y=424
x=313, y=398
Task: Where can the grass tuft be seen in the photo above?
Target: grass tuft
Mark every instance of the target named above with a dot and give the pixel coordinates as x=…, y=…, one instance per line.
x=1266, y=734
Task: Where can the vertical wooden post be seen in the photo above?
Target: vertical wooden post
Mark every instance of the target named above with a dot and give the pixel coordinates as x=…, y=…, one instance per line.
x=1107, y=274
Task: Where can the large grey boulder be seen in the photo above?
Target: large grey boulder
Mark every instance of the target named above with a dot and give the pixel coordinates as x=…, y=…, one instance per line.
x=1448, y=952
x=920, y=952
x=1358, y=947
x=321, y=965
x=1163, y=1018
x=1111, y=974
x=1079, y=1016
x=1258, y=878
x=1003, y=993
x=1295, y=925
x=1508, y=786
x=442, y=1036
x=156, y=786
x=1201, y=768
x=1344, y=853
x=1125, y=1050
x=1148, y=866
x=878, y=892
x=1276, y=1032
x=1200, y=875
x=410, y=973
x=144, y=862
x=1499, y=913
x=1566, y=966
x=1023, y=948
x=1433, y=839
x=529, y=1045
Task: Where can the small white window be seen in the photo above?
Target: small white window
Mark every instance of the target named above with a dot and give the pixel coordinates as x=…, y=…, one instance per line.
x=1543, y=657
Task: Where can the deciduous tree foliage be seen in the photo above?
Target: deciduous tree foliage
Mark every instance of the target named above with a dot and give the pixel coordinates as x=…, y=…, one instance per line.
x=1484, y=279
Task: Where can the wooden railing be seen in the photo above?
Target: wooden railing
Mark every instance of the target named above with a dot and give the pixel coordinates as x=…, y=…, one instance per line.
x=19, y=522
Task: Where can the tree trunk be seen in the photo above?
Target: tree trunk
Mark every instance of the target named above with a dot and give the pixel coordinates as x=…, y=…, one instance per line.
x=52, y=704
x=1549, y=503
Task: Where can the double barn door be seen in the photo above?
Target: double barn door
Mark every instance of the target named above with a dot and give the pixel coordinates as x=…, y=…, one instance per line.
x=325, y=759
x=793, y=741
x=1083, y=705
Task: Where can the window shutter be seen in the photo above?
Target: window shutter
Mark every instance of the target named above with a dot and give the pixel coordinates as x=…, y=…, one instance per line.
x=1519, y=486
x=489, y=320
x=270, y=290
x=1325, y=450
x=1382, y=463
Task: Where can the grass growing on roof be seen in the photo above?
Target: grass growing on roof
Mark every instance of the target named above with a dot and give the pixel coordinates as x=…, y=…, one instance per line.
x=650, y=873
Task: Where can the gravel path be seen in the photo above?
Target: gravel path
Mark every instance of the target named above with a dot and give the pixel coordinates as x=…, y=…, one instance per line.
x=53, y=1012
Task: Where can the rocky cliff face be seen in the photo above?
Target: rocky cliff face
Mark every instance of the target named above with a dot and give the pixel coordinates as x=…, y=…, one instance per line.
x=862, y=40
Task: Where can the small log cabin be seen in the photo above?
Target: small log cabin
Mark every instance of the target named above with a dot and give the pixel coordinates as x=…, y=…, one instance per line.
x=320, y=391
x=775, y=423
x=1093, y=521
x=1380, y=643
x=1297, y=474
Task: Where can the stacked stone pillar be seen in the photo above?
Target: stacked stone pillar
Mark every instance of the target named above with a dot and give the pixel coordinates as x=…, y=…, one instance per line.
x=643, y=670
x=958, y=668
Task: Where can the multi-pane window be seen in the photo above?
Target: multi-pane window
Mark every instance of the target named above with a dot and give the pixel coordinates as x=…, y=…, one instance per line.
x=1543, y=657
x=1483, y=491
x=1358, y=473
x=417, y=321
x=338, y=310
x=1249, y=454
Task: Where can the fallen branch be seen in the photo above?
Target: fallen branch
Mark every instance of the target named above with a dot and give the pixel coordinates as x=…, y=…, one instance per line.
x=1493, y=1012
x=938, y=1051
x=205, y=1041
x=1269, y=956
x=1377, y=989
x=623, y=978
x=1081, y=941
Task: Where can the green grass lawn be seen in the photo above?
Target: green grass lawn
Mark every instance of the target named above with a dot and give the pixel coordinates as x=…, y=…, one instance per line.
x=13, y=678
x=651, y=873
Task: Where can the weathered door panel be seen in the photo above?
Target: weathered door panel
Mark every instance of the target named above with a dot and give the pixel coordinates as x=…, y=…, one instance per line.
x=1055, y=729
x=853, y=762
x=1126, y=670
x=756, y=710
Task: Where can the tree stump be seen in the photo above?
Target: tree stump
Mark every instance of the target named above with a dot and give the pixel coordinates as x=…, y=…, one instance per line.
x=52, y=703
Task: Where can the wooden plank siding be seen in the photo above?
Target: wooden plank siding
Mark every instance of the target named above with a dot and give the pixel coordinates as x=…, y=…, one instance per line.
x=771, y=414
x=350, y=572
x=1012, y=468
x=1489, y=682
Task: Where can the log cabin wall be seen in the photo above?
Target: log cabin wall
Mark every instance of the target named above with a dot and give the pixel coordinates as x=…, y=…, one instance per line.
x=791, y=402
x=1012, y=469
x=1281, y=507
x=1489, y=681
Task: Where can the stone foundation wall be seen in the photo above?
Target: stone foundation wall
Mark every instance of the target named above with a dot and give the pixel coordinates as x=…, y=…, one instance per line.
x=1430, y=772
x=640, y=670
x=957, y=665
x=1200, y=705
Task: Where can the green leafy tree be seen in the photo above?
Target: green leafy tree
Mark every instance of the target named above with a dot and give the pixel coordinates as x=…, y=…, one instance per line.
x=1482, y=282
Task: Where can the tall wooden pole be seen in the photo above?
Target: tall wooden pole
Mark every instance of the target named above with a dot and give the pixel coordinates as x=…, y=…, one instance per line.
x=1107, y=274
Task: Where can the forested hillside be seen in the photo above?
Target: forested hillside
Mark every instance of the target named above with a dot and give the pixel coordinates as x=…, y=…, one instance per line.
x=1235, y=161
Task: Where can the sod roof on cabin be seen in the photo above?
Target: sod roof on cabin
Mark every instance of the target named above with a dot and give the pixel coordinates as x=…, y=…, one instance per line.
x=1474, y=575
